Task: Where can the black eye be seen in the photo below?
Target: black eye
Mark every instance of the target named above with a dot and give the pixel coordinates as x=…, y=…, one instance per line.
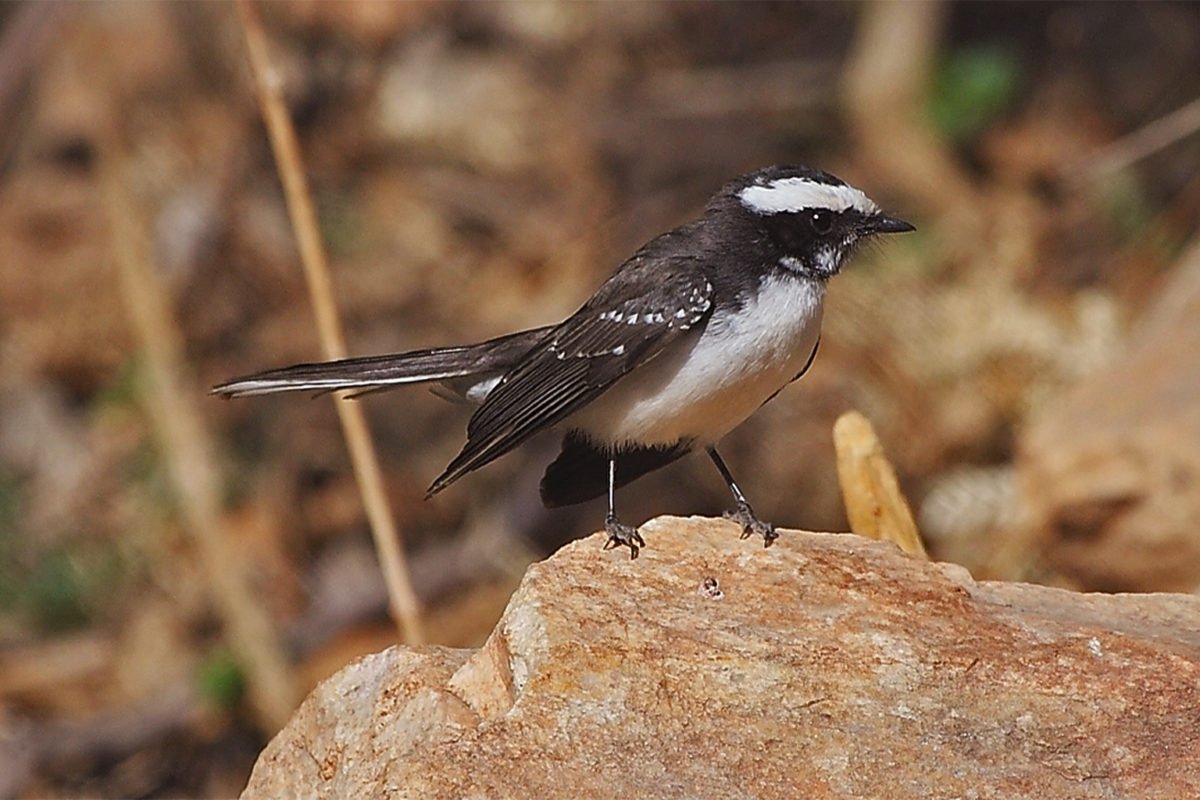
x=821, y=221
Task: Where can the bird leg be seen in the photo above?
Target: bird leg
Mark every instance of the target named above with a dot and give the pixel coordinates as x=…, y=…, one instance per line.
x=751, y=525
x=619, y=535
x=743, y=514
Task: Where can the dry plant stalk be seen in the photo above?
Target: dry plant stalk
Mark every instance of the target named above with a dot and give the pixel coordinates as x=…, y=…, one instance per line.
x=874, y=503
x=402, y=599
x=170, y=402
x=1141, y=143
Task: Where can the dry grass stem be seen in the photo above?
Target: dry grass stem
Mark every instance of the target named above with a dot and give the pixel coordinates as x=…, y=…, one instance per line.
x=402, y=599
x=1145, y=141
x=874, y=503
x=170, y=402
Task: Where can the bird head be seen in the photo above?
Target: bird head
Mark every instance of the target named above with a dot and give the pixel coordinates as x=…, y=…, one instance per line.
x=810, y=220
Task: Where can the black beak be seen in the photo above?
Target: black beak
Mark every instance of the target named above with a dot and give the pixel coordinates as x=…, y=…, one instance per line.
x=882, y=223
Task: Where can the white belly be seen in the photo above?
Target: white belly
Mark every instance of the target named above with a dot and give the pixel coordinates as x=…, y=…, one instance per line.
x=704, y=390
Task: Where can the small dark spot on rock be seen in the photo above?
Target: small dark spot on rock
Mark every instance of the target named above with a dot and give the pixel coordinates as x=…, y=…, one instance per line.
x=710, y=588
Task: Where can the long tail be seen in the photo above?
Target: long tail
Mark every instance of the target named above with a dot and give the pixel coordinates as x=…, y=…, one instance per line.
x=378, y=373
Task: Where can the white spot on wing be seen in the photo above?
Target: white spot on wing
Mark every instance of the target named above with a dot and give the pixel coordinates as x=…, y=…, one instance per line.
x=796, y=194
x=479, y=391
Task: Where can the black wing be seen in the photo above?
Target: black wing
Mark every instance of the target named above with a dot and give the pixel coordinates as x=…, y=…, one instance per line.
x=650, y=302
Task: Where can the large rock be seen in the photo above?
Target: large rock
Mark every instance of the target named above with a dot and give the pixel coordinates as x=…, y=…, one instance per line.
x=825, y=666
x=1110, y=476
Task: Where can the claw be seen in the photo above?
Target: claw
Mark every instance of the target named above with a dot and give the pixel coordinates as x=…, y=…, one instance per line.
x=751, y=525
x=623, y=536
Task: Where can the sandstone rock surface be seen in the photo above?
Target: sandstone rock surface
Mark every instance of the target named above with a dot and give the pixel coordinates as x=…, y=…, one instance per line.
x=825, y=666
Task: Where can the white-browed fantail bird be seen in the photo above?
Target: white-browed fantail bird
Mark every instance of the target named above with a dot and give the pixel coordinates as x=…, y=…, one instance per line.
x=688, y=337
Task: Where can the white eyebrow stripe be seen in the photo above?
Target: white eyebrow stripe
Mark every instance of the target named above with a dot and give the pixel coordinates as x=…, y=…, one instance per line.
x=797, y=194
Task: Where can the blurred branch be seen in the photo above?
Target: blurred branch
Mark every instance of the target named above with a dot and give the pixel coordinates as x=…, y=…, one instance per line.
x=30, y=27
x=874, y=503
x=47, y=667
x=169, y=401
x=28, y=30
x=778, y=86
x=402, y=600
x=887, y=77
x=1145, y=141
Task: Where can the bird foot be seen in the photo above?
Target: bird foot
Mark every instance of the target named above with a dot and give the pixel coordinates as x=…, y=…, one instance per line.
x=622, y=536
x=751, y=525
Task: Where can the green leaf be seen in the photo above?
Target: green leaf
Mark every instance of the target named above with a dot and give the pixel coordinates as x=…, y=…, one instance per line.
x=972, y=88
x=221, y=679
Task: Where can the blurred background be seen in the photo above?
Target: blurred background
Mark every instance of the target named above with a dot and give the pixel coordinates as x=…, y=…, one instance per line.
x=1030, y=357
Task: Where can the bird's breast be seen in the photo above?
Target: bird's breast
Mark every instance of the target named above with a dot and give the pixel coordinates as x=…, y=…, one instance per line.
x=702, y=387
